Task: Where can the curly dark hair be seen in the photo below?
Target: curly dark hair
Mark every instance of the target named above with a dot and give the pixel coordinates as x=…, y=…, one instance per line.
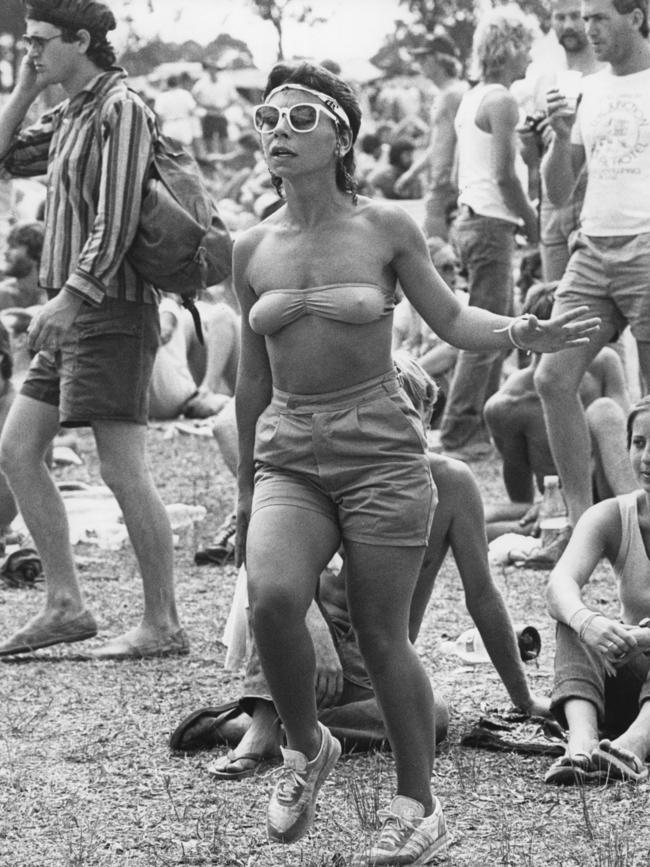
x=320, y=78
x=100, y=51
x=29, y=234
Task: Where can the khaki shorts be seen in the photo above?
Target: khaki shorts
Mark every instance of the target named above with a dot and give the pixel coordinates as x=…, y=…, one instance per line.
x=102, y=371
x=612, y=277
x=357, y=456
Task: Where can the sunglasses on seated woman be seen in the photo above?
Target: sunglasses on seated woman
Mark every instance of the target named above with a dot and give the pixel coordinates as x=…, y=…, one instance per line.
x=302, y=117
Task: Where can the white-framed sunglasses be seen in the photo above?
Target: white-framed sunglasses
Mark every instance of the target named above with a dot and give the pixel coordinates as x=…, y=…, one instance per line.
x=302, y=117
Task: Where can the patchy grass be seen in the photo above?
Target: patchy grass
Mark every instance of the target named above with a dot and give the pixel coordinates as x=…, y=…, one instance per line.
x=87, y=780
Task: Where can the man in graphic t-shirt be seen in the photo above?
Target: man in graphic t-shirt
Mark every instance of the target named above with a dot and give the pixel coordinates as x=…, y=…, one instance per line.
x=609, y=268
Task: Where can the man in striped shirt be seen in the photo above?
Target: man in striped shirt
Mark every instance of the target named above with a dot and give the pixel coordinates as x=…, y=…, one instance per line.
x=96, y=337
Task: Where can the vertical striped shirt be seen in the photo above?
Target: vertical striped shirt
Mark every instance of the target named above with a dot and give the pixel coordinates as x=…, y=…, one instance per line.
x=95, y=149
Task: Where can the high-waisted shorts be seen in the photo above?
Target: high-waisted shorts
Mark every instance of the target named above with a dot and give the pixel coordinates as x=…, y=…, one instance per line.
x=357, y=456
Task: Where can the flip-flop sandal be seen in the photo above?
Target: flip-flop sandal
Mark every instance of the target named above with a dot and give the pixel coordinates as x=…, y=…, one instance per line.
x=617, y=763
x=575, y=770
x=224, y=768
x=182, y=741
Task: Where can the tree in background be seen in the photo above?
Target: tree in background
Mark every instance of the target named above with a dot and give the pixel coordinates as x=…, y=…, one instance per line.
x=277, y=12
x=457, y=18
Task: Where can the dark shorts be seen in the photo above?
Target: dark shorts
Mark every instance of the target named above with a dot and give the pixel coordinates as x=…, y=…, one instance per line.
x=357, y=456
x=102, y=371
x=214, y=124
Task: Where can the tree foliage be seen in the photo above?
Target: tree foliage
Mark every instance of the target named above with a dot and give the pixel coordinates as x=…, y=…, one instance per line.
x=455, y=17
x=278, y=11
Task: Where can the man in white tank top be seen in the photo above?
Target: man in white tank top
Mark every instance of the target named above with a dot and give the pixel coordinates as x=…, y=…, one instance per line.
x=493, y=205
x=609, y=268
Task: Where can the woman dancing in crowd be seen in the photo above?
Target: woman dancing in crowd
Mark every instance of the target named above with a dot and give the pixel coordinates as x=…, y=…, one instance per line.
x=331, y=449
x=602, y=664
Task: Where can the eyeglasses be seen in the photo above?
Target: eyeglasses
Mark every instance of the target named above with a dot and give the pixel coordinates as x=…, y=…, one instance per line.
x=302, y=117
x=38, y=42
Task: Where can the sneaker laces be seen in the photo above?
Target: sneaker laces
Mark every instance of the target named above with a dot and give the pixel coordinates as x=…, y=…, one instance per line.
x=290, y=783
x=393, y=827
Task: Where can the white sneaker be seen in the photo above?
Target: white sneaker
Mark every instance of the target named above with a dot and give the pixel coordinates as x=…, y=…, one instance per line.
x=407, y=836
x=291, y=808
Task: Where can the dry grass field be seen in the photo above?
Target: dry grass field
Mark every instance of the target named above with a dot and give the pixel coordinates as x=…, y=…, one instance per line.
x=87, y=779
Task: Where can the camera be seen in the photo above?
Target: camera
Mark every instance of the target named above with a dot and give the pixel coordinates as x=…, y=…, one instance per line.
x=532, y=124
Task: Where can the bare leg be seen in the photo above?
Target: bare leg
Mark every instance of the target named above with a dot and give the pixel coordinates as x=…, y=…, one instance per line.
x=582, y=721
x=123, y=463
x=637, y=737
x=282, y=582
x=381, y=581
x=557, y=379
x=613, y=472
x=28, y=432
x=263, y=736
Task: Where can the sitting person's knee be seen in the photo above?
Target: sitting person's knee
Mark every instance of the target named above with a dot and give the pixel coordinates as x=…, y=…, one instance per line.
x=605, y=412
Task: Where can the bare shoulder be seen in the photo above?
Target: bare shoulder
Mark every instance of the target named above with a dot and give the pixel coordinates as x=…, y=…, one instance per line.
x=389, y=218
x=249, y=239
x=607, y=360
x=601, y=522
x=500, y=104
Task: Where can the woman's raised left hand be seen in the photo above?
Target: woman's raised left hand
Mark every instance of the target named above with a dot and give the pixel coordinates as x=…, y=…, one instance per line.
x=572, y=328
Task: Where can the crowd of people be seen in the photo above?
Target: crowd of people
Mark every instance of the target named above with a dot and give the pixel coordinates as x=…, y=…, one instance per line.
x=346, y=335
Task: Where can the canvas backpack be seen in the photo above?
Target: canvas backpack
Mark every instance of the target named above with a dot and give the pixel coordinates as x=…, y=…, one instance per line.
x=181, y=244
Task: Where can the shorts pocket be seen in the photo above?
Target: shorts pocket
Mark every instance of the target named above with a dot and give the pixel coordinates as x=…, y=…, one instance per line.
x=91, y=327
x=392, y=419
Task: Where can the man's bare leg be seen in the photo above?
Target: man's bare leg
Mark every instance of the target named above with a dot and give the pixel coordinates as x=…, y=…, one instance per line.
x=123, y=464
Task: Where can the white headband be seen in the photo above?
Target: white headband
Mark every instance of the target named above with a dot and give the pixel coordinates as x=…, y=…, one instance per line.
x=329, y=101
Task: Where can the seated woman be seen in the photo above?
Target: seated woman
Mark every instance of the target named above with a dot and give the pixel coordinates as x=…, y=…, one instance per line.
x=602, y=663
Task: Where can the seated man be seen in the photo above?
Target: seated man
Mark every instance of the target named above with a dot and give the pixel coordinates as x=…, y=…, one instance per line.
x=515, y=419
x=347, y=702
x=188, y=378
x=20, y=288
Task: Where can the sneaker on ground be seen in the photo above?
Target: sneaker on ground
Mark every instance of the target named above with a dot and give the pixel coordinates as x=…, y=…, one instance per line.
x=293, y=802
x=222, y=550
x=406, y=836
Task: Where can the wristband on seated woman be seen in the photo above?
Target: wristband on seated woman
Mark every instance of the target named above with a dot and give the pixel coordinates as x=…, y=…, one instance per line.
x=570, y=622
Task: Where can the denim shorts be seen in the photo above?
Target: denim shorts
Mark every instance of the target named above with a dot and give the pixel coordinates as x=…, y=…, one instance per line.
x=580, y=673
x=612, y=277
x=357, y=456
x=103, y=369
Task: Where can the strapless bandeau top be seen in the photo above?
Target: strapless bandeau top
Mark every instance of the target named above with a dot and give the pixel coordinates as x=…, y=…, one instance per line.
x=354, y=303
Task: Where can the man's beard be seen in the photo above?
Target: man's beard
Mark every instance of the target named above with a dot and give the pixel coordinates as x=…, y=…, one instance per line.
x=576, y=42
